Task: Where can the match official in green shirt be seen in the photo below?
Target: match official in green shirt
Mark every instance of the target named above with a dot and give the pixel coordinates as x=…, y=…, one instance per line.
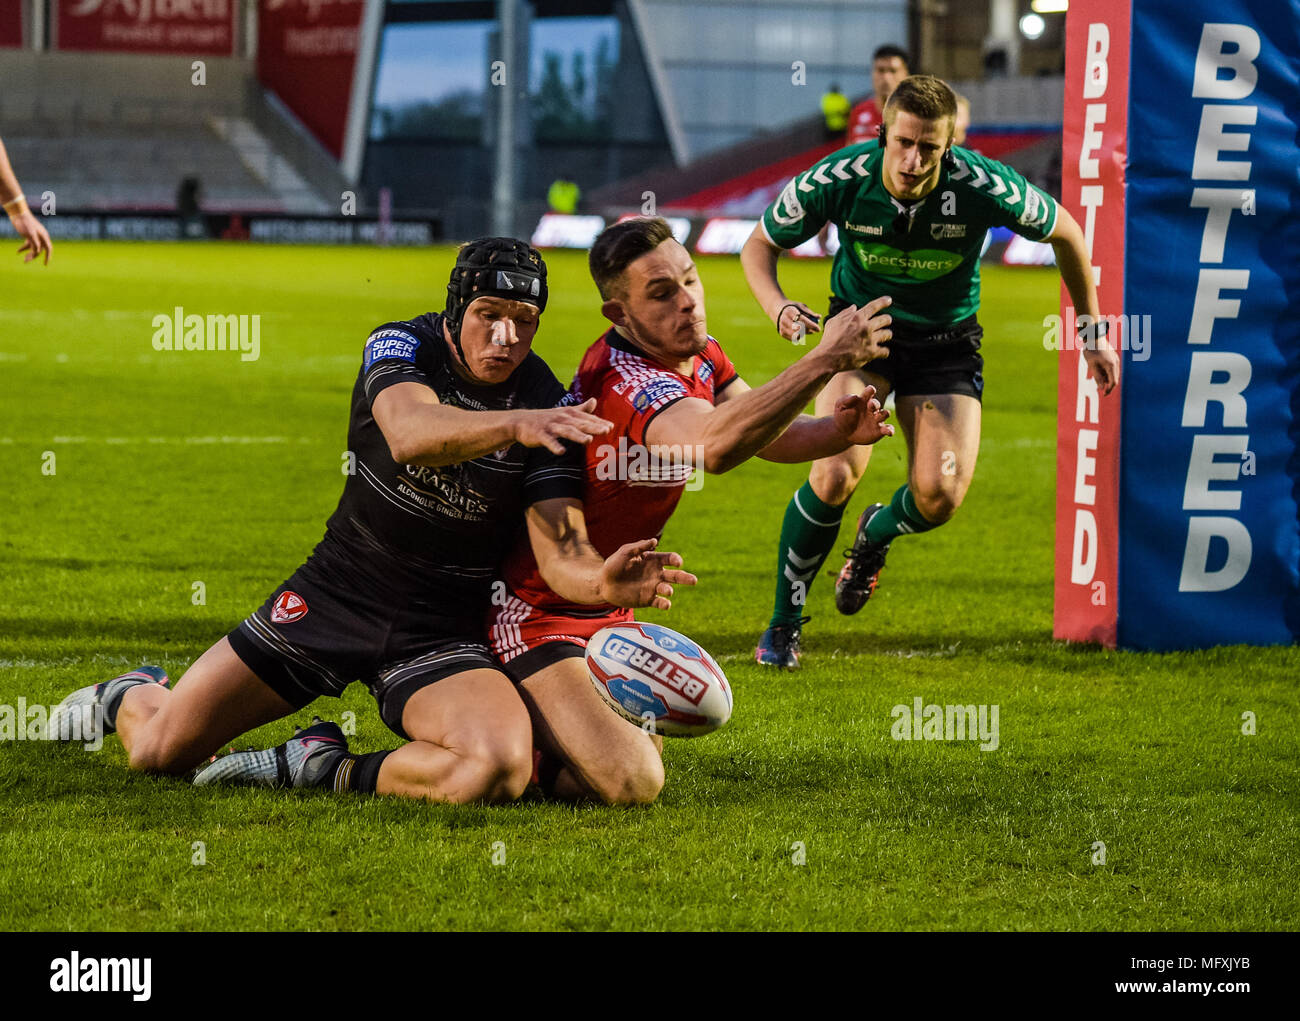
x=912, y=211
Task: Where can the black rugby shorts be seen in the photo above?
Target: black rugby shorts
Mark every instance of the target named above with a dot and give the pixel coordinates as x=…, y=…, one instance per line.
x=328, y=625
x=942, y=361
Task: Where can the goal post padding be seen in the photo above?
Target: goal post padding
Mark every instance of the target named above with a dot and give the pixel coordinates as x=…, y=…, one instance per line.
x=1178, y=499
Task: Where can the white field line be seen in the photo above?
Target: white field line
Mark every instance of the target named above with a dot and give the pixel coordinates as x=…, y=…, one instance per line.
x=97, y=659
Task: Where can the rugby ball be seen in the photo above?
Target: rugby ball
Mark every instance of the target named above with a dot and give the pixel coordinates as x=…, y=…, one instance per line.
x=658, y=679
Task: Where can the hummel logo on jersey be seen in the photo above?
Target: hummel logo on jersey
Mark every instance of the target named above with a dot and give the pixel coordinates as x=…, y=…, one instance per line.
x=288, y=607
x=865, y=228
x=1036, y=211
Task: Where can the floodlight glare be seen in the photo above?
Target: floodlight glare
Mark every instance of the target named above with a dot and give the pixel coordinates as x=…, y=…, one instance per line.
x=1031, y=26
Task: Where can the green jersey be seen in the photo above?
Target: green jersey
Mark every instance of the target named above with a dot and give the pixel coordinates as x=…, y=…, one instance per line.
x=924, y=255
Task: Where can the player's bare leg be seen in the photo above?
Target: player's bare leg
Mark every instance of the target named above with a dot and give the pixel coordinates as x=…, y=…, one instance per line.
x=943, y=436
x=834, y=479
x=603, y=756
x=172, y=731
x=943, y=441
x=812, y=525
x=217, y=699
x=472, y=741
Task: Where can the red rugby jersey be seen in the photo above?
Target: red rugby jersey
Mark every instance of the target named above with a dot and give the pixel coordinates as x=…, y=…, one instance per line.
x=631, y=489
x=864, y=119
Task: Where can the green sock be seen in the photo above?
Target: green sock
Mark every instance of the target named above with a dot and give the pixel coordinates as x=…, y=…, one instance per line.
x=808, y=535
x=899, y=518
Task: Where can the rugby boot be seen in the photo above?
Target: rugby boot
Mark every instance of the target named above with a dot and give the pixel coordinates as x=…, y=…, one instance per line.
x=75, y=711
x=779, y=645
x=303, y=761
x=861, y=571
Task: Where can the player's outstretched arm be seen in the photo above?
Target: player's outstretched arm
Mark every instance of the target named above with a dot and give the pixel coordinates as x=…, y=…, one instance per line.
x=635, y=575
x=421, y=430
x=856, y=419
x=737, y=428
x=758, y=259
x=1071, y=250
x=36, y=240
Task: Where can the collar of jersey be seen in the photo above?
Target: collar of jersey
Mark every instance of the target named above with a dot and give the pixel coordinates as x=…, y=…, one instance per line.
x=619, y=342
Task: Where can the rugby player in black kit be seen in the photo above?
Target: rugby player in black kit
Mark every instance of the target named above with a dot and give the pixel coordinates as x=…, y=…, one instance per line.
x=460, y=436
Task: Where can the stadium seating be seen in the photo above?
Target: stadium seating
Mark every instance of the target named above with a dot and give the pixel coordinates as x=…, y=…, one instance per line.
x=109, y=132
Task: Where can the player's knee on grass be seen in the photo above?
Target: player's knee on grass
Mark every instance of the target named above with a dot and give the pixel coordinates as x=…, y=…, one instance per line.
x=156, y=750
x=634, y=779
x=494, y=767
x=506, y=775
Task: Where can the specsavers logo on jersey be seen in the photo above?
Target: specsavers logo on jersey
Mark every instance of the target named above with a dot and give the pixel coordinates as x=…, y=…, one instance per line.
x=923, y=264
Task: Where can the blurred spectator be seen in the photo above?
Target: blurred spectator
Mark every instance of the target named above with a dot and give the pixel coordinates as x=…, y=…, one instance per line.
x=563, y=196
x=962, y=123
x=36, y=240
x=187, y=208
x=235, y=229
x=835, y=110
x=888, y=68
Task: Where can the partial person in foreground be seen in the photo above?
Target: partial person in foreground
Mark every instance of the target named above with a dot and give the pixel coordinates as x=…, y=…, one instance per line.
x=461, y=435
x=912, y=211
x=36, y=239
x=678, y=405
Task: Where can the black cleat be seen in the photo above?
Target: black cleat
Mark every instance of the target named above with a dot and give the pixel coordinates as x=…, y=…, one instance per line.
x=779, y=645
x=861, y=571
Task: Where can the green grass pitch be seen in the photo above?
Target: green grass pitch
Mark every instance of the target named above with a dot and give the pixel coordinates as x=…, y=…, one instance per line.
x=171, y=469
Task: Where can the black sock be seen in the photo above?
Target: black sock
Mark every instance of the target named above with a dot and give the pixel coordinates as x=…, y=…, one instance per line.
x=111, y=701
x=359, y=773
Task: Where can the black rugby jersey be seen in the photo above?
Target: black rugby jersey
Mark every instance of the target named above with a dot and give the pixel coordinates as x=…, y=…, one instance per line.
x=439, y=533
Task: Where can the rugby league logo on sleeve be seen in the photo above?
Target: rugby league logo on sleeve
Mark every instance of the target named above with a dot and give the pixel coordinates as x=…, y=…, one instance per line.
x=391, y=344
x=288, y=607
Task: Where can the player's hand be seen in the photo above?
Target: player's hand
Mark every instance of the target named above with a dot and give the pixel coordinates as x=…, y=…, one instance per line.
x=36, y=239
x=860, y=419
x=550, y=427
x=795, y=320
x=855, y=336
x=1103, y=365
x=637, y=576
